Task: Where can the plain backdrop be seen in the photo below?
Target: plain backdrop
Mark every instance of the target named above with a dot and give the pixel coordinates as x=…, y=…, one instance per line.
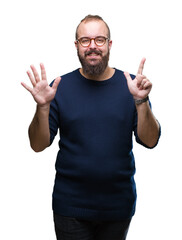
x=44, y=31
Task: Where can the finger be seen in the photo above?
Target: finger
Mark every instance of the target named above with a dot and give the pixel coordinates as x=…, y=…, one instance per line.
x=139, y=78
x=143, y=82
x=35, y=73
x=141, y=66
x=43, y=72
x=31, y=78
x=56, y=83
x=147, y=85
x=27, y=87
x=128, y=77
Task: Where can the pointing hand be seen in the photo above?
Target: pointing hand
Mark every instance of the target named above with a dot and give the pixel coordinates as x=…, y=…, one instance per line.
x=140, y=87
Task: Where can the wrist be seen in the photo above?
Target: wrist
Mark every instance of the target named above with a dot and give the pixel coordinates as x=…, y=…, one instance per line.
x=140, y=101
x=44, y=107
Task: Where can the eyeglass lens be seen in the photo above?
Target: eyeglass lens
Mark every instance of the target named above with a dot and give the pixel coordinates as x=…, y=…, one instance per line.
x=99, y=41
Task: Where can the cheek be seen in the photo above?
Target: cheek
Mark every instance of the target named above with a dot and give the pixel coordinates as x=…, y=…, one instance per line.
x=81, y=51
x=105, y=51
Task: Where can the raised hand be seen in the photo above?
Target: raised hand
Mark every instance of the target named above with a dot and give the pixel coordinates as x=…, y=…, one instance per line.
x=42, y=93
x=140, y=87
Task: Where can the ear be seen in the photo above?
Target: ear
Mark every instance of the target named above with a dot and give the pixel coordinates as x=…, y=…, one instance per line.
x=110, y=44
x=76, y=44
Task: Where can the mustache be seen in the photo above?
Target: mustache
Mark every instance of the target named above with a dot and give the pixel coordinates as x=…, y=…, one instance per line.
x=93, y=51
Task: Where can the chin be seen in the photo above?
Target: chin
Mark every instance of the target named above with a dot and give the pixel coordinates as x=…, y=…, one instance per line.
x=93, y=62
x=94, y=66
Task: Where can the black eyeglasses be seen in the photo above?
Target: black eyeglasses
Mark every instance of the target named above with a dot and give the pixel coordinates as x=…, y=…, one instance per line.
x=86, y=41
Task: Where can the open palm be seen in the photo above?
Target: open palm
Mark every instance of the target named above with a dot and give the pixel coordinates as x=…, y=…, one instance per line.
x=41, y=91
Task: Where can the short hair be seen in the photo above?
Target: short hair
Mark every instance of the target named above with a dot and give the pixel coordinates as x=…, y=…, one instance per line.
x=92, y=18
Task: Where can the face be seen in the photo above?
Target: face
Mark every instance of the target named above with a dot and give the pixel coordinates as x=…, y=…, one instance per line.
x=94, y=59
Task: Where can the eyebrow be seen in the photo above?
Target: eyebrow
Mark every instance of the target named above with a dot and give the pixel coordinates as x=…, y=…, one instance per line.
x=93, y=37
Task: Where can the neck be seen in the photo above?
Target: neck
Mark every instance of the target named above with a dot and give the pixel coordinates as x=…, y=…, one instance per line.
x=108, y=73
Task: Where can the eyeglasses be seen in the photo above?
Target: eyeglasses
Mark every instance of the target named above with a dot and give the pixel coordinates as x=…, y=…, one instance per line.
x=86, y=41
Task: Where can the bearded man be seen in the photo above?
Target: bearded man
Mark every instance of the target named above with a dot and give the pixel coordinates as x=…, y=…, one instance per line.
x=96, y=109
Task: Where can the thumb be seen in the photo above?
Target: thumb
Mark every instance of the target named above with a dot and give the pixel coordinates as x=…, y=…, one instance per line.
x=56, y=83
x=128, y=77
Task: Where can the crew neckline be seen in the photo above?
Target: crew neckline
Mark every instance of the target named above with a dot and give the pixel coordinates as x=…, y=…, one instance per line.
x=96, y=82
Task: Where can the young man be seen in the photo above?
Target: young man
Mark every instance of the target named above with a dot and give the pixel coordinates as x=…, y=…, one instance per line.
x=96, y=109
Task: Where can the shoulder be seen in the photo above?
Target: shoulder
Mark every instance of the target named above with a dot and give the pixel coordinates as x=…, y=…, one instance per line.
x=121, y=73
x=67, y=77
x=70, y=75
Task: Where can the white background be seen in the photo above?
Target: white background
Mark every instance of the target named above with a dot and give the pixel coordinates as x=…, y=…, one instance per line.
x=43, y=31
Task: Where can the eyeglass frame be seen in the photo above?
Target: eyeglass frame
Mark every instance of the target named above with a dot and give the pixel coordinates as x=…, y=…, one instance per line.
x=78, y=40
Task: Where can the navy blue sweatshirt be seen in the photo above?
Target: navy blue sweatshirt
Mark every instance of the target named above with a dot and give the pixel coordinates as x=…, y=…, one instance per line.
x=95, y=164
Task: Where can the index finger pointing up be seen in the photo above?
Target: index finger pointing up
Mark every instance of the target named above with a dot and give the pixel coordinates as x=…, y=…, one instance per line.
x=140, y=69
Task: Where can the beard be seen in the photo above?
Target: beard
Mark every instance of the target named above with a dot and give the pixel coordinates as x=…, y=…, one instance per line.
x=94, y=69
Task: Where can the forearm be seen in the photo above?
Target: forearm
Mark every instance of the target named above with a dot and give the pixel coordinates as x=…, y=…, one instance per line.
x=39, y=133
x=148, y=127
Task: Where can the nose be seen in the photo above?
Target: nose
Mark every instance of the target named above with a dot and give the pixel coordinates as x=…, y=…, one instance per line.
x=92, y=43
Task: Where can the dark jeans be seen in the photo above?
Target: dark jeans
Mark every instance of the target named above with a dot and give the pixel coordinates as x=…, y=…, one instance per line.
x=68, y=228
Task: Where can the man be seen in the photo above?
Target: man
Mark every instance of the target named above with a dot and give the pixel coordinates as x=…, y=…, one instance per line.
x=96, y=108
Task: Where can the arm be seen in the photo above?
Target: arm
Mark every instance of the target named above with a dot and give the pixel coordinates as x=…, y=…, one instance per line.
x=39, y=134
x=43, y=94
x=147, y=125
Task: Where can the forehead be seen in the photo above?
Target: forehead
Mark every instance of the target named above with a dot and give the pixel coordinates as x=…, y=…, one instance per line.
x=92, y=29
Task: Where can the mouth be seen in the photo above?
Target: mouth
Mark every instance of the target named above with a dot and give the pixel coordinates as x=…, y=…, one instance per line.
x=93, y=53
x=93, y=56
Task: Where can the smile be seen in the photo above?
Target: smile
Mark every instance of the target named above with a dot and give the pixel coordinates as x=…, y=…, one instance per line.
x=93, y=53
